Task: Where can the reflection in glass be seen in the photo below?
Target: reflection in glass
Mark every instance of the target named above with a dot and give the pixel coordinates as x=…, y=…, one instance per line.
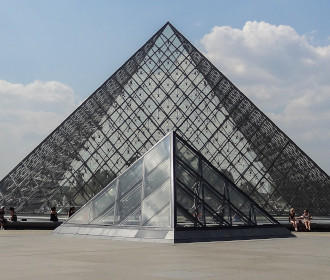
x=130, y=178
x=153, y=207
x=82, y=216
x=104, y=201
x=208, y=198
x=141, y=199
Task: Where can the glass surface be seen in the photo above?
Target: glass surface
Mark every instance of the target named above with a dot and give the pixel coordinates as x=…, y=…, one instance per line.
x=133, y=218
x=107, y=219
x=83, y=216
x=162, y=219
x=153, y=206
x=157, y=177
x=260, y=217
x=128, y=204
x=183, y=218
x=211, y=199
x=187, y=155
x=239, y=200
x=130, y=178
x=186, y=178
x=125, y=205
x=157, y=155
x=104, y=201
x=216, y=180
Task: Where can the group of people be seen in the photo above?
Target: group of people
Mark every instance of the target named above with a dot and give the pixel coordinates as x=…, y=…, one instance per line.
x=304, y=219
x=13, y=216
x=3, y=220
x=53, y=213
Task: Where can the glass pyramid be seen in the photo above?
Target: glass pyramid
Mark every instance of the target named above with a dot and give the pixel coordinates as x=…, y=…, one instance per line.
x=166, y=85
x=172, y=189
x=141, y=196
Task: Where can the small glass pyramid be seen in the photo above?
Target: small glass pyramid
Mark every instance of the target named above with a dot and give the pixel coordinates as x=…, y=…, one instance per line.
x=167, y=195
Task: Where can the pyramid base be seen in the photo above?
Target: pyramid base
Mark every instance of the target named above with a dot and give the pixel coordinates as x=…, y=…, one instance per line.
x=180, y=235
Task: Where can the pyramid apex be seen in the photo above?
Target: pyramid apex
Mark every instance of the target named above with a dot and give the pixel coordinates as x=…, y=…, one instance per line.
x=168, y=23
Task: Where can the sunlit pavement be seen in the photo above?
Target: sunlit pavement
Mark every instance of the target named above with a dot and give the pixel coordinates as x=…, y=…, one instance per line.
x=41, y=255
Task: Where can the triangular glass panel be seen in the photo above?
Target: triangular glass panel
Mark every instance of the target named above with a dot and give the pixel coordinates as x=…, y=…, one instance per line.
x=141, y=196
x=208, y=196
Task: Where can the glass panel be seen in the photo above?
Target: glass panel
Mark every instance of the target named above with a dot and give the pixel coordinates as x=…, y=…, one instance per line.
x=185, y=200
x=183, y=219
x=133, y=219
x=261, y=218
x=215, y=202
x=187, y=155
x=128, y=204
x=154, y=204
x=130, y=178
x=162, y=219
x=157, y=155
x=237, y=219
x=211, y=219
x=186, y=178
x=104, y=201
x=239, y=200
x=107, y=219
x=211, y=199
x=157, y=177
x=215, y=179
x=227, y=213
x=191, y=205
x=82, y=216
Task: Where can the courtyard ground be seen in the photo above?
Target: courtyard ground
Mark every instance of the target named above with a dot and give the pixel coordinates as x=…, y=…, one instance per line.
x=33, y=255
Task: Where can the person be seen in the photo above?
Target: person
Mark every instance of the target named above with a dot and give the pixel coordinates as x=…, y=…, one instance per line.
x=2, y=217
x=307, y=219
x=13, y=217
x=71, y=211
x=292, y=219
x=53, y=214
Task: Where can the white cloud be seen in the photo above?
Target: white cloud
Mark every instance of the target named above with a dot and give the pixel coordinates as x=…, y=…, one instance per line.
x=284, y=74
x=27, y=114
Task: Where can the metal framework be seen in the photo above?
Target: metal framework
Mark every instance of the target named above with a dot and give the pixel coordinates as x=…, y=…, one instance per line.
x=166, y=85
x=206, y=197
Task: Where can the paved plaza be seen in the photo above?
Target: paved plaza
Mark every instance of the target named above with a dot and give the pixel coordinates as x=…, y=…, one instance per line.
x=32, y=255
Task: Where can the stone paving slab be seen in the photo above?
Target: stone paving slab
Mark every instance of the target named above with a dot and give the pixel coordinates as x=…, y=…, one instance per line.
x=41, y=255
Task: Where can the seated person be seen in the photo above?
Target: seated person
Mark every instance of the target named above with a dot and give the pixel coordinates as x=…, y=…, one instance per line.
x=13, y=217
x=307, y=219
x=2, y=217
x=53, y=215
x=292, y=219
x=72, y=210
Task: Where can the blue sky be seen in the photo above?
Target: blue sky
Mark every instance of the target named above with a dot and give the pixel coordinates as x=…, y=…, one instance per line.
x=71, y=47
x=81, y=43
